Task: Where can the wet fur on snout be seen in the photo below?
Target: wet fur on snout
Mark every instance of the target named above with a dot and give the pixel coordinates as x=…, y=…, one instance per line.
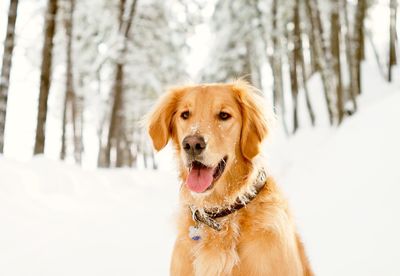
x=259, y=239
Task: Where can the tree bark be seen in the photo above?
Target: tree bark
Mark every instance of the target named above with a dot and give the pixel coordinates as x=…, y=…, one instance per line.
x=9, y=44
x=45, y=74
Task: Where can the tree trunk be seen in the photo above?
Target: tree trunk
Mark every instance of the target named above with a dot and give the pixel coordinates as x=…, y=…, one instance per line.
x=301, y=60
x=353, y=89
x=276, y=66
x=70, y=98
x=392, y=38
x=116, y=114
x=359, y=41
x=153, y=159
x=293, y=58
x=63, y=151
x=77, y=112
x=336, y=63
x=116, y=127
x=321, y=55
x=6, y=67
x=101, y=157
x=45, y=74
x=254, y=65
x=76, y=102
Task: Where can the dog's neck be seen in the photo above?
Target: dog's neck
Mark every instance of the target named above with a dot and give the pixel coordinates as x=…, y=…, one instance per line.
x=209, y=216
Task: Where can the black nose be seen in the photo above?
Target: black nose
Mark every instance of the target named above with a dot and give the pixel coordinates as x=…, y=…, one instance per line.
x=194, y=145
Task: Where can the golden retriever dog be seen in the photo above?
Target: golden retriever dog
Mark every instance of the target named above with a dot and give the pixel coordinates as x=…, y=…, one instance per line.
x=233, y=219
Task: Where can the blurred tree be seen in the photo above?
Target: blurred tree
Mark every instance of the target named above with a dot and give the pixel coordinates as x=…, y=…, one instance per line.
x=349, y=49
x=302, y=60
x=321, y=55
x=152, y=57
x=392, y=38
x=237, y=50
x=336, y=53
x=121, y=55
x=275, y=59
x=116, y=132
x=45, y=74
x=358, y=40
x=294, y=57
x=9, y=44
x=70, y=106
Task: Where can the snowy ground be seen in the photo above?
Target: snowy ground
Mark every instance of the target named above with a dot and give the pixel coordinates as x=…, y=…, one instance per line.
x=343, y=185
x=60, y=220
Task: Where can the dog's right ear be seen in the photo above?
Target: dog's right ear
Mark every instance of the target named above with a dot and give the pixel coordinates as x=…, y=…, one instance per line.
x=160, y=119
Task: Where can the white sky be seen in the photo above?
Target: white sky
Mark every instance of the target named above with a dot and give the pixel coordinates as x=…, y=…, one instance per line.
x=23, y=95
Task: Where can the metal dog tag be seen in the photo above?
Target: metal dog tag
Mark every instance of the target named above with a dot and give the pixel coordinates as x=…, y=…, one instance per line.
x=194, y=233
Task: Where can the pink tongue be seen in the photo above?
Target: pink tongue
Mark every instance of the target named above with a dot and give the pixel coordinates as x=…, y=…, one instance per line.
x=199, y=180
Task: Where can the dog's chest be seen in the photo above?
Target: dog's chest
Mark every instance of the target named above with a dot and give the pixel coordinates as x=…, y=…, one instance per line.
x=215, y=252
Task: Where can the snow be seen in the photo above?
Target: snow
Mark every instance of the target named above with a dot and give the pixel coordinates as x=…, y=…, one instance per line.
x=344, y=193
x=61, y=220
x=342, y=184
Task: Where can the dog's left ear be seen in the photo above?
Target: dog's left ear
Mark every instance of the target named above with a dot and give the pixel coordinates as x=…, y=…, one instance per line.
x=160, y=119
x=254, y=123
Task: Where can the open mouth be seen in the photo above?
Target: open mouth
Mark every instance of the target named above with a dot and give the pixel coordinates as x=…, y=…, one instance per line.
x=201, y=178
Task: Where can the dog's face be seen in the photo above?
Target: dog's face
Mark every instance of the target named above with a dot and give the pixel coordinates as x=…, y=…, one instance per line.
x=213, y=127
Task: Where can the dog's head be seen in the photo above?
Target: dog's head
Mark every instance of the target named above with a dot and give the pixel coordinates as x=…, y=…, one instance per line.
x=215, y=128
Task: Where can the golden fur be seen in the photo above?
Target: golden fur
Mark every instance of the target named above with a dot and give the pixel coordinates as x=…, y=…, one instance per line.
x=259, y=239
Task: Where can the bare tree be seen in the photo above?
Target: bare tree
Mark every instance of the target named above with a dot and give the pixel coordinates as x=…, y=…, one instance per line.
x=321, y=55
x=353, y=87
x=70, y=101
x=358, y=40
x=294, y=56
x=116, y=137
x=392, y=38
x=6, y=67
x=335, y=49
x=45, y=74
x=276, y=66
x=304, y=71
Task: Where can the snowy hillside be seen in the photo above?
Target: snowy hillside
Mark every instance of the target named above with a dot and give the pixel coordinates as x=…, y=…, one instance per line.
x=344, y=192
x=343, y=186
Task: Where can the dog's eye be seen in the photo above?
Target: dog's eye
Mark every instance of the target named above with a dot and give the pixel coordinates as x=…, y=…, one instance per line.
x=224, y=116
x=185, y=115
